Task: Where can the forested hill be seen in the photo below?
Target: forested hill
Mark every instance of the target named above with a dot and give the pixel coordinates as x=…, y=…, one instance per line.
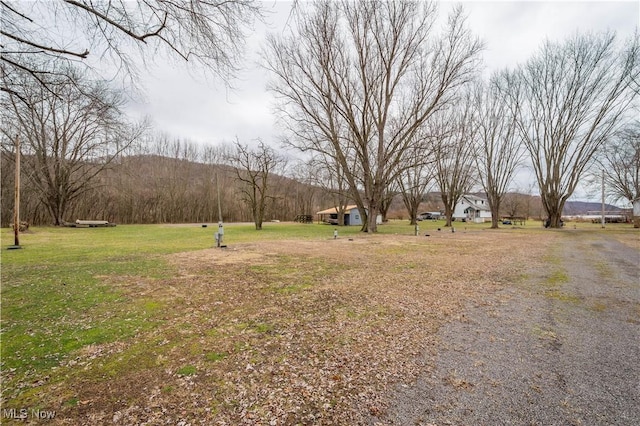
x=161, y=189
x=165, y=189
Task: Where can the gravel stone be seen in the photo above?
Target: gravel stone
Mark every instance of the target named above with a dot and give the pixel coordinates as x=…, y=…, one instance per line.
x=561, y=348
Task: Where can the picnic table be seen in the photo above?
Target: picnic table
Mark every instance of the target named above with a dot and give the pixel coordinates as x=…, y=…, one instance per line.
x=514, y=220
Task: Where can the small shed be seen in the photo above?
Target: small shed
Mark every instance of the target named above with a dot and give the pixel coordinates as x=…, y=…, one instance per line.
x=352, y=216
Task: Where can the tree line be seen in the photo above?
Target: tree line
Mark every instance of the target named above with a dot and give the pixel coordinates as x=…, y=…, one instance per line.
x=167, y=180
x=388, y=101
x=377, y=99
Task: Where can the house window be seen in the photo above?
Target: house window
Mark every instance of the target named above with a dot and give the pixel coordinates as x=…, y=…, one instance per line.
x=357, y=217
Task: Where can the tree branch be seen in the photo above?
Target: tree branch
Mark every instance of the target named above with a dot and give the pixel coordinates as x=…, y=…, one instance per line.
x=82, y=55
x=5, y=4
x=110, y=21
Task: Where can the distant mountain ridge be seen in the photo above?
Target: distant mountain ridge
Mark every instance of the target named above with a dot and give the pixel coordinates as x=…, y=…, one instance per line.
x=572, y=208
x=575, y=208
x=534, y=206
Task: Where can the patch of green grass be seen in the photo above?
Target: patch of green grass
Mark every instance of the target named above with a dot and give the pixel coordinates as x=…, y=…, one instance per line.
x=58, y=295
x=554, y=281
x=544, y=333
x=215, y=356
x=262, y=328
x=241, y=346
x=41, y=335
x=293, y=288
x=287, y=275
x=187, y=370
x=71, y=402
x=194, y=348
x=557, y=277
x=561, y=296
x=603, y=268
x=214, y=332
x=599, y=306
x=134, y=358
x=552, y=259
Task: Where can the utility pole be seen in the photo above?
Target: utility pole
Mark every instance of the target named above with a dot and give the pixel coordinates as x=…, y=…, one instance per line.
x=16, y=200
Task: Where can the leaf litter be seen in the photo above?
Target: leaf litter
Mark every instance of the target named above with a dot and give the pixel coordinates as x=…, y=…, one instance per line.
x=288, y=332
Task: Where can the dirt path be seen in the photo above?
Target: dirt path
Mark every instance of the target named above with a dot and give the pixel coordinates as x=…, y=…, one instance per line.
x=561, y=348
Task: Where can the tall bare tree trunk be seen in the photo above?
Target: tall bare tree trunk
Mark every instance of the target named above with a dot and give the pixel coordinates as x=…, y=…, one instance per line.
x=448, y=210
x=494, y=206
x=358, y=80
x=570, y=98
x=499, y=149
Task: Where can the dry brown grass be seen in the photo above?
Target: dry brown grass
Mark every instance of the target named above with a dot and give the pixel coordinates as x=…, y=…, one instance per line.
x=630, y=238
x=311, y=332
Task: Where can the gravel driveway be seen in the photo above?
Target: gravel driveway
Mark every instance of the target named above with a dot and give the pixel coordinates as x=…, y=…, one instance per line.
x=560, y=348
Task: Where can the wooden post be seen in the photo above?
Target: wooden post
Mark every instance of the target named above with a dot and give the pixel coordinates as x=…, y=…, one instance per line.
x=16, y=201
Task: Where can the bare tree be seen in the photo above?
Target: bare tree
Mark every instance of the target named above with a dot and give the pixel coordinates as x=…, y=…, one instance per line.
x=388, y=197
x=621, y=165
x=39, y=37
x=357, y=80
x=329, y=175
x=575, y=95
x=70, y=137
x=499, y=149
x=518, y=202
x=160, y=179
x=255, y=169
x=175, y=180
x=453, y=156
x=309, y=106
x=415, y=181
x=296, y=193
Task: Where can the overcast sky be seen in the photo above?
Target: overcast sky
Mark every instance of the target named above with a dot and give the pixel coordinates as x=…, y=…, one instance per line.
x=207, y=112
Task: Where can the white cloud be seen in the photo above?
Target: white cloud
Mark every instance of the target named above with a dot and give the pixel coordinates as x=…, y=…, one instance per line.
x=190, y=108
x=202, y=111
x=514, y=30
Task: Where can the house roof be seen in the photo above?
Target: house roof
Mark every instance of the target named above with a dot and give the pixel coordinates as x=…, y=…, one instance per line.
x=471, y=197
x=334, y=210
x=472, y=200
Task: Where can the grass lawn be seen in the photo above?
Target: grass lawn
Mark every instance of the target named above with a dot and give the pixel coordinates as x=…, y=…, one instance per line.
x=117, y=324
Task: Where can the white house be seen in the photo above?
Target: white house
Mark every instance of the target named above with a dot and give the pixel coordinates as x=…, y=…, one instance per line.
x=472, y=209
x=351, y=216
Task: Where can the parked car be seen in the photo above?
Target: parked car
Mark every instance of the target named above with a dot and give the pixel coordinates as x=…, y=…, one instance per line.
x=428, y=216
